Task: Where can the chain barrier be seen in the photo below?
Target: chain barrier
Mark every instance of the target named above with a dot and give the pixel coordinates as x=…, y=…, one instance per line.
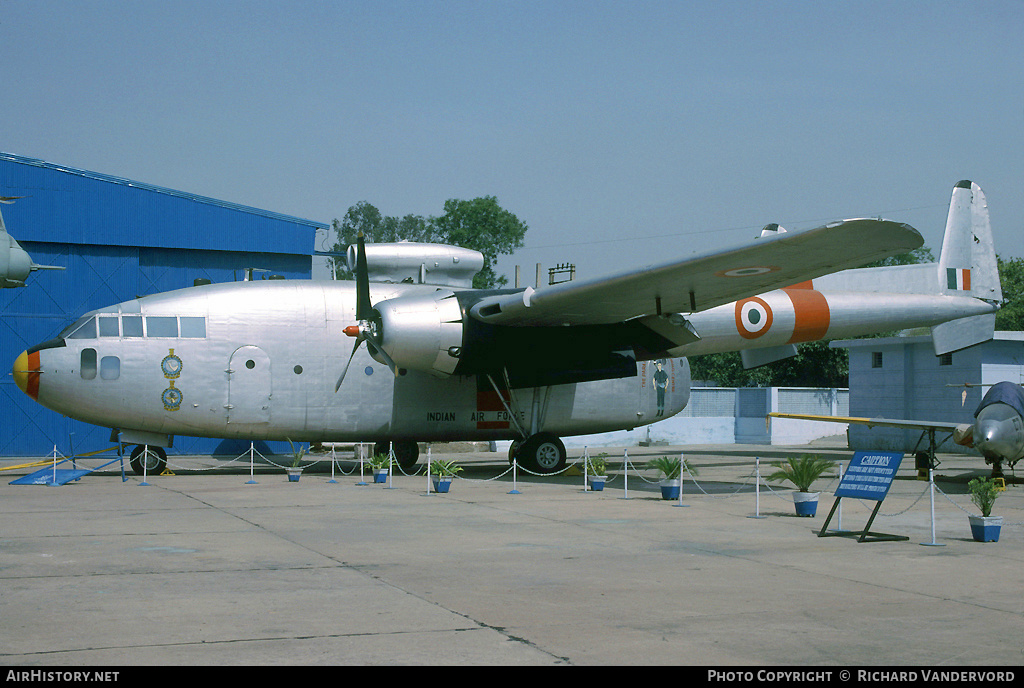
x=950, y=500
x=584, y=463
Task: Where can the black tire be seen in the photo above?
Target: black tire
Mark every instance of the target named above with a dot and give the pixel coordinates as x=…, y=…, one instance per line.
x=155, y=458
x=513, y=450
x=543, y=453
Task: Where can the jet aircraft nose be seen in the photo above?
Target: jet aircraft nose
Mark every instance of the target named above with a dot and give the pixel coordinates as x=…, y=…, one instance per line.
x=26, y=373
x=991, y=440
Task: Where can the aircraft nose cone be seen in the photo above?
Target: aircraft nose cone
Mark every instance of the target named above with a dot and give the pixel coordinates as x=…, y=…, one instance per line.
x=26, y=373
x=990, y=439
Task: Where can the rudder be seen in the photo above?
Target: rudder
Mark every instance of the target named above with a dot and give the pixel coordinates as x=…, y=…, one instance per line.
x=967, y=264
x=967, y=267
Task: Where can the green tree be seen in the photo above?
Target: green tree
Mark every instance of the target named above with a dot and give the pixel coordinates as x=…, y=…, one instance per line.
x=377, y=228
x=816, y=364
x=483, y=225
x=1011, y=277
x=480, y=224
x=922, y=254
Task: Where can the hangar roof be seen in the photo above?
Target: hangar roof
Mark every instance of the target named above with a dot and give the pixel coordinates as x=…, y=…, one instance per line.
x=62, y=204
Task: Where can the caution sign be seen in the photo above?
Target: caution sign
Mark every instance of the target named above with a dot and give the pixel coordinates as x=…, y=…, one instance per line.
x=869, y=475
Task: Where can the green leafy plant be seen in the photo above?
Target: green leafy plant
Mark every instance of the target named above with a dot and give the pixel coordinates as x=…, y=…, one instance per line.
x=983, y=493
x=801, y=472
x=297, y=454
x=378, y=461
x=442, y=468
x=671, y=466
x=598, y=464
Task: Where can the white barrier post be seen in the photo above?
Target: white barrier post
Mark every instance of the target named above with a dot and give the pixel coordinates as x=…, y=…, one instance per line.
x=757, y=488
x=515, y=466
x=145, y=466
x=362, y=452
x=428, y=470
x=682, y=469
x=586, y=460
x=931, y=498
x=251, y=480
x=625, y=475
x=333, y=459
x=391, y=464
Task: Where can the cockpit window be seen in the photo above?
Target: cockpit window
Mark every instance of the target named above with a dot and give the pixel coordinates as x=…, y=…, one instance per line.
x=87, y=327
x=108, y=326
x=193, y=327
x=161, y=326
x=131, y=325
x=83, y=328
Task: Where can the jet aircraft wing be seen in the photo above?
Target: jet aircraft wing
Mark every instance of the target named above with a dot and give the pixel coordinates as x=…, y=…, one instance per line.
x=703, y=281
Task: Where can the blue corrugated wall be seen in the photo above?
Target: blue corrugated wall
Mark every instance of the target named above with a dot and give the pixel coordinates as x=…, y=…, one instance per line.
x=117, y=239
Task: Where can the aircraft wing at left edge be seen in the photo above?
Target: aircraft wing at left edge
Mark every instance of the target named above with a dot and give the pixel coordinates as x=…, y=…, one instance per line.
x=704, y=281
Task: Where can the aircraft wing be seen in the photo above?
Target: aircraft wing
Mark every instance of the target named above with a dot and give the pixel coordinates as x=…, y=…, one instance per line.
x=874, y=422
x=703, y=281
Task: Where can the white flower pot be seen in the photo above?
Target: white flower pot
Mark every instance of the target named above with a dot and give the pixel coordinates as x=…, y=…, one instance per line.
x=806, y=503
x=985, y=528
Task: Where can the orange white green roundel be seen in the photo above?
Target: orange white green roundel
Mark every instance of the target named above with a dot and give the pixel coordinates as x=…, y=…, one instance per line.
x=747, y=271
x=753, y=317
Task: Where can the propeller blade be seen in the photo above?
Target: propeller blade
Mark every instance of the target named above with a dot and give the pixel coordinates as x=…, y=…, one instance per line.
x=377, y=351
x=341, y=379
x=363, y=305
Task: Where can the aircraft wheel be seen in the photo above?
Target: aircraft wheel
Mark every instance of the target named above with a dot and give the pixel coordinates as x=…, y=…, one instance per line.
x=543, y=453
x=513, y=450
x=155, y=460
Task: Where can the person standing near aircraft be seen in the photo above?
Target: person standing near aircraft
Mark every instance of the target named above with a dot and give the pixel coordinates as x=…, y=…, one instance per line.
x=660, y=385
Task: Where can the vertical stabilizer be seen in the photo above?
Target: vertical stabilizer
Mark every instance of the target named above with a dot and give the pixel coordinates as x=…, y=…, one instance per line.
x=967, y=267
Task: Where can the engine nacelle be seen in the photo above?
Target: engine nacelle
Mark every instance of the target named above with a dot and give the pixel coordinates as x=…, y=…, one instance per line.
x=418, y=263
x=423, y=332
x=15, y=263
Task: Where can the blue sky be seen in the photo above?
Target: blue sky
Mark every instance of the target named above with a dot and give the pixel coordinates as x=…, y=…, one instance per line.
x=622, y=133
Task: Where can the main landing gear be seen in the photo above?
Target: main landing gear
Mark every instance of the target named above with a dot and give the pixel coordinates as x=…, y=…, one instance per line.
x=541, y=453
x=148, y=460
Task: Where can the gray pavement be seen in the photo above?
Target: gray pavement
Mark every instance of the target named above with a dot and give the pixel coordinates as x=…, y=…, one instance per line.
x=201, y=568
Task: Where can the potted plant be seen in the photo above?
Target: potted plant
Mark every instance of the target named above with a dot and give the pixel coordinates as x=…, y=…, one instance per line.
x=984, y=528
x=443, y=472
x=597, y=472
x=671, y=468
x=802, y=473
x=294, y=471
x=379, y=464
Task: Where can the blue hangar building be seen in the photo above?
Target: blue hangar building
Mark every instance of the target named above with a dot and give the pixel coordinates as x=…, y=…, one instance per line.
x=118, y=239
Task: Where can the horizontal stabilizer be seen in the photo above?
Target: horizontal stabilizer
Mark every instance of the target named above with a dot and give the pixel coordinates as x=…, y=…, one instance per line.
x=959, y=334
x=754, y=358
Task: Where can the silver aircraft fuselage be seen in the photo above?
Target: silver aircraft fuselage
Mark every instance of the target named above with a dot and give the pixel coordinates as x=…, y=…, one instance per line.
x=258, y=360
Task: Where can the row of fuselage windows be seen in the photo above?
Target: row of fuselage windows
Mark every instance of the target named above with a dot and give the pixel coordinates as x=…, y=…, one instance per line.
x=109, y=366
x=187, y=327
